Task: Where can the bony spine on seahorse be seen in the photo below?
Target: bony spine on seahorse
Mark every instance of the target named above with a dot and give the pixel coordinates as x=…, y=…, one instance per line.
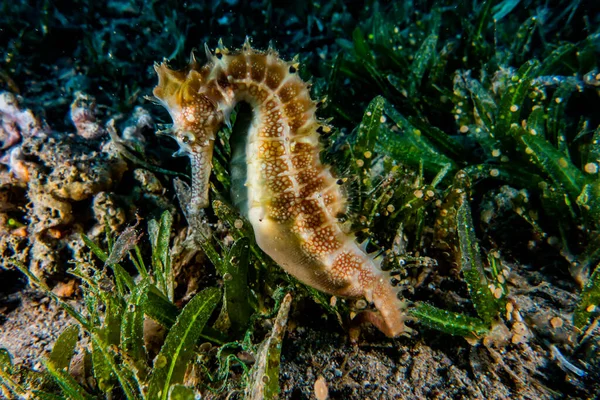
x=292, y=199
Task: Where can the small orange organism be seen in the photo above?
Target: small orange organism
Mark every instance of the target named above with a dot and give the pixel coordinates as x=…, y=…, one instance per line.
x=290, y=198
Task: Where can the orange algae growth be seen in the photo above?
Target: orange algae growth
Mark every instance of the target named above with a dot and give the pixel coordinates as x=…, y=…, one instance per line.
x=292, y=199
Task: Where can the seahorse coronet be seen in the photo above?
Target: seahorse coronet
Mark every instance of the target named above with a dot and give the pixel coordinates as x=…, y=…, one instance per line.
x=291, y=199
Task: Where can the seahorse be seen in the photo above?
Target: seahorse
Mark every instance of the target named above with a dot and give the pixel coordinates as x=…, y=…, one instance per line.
x=290, y=198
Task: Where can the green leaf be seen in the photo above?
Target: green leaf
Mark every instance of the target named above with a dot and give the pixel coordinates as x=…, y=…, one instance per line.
x=409, y=146
x=132, y=327
x=504, y=8
x=237, y=292
x=159, y=308
x=104, y=335
x=448, y=321
x=555, y=164
x=439, y=139
x=6, y=371
x=6, y=364
x=421, y=60
x=363, y=52
x=498, y=279
x=63, y=349
x=334, y=76
x=172, y=361
x=512, y=174
x=557, y=125
x=101, y=254
x=368, y=130
x=556, y=58
x=594, y=151
x=472, y=268
x=122, y=277
x=220, y=170
x=513, y=99
x=46, y=396
x=589, y=201
x=106, y=357
x=180, y=392
x=161, y=255
x=102, y=370
x=164, y=236
x=483, y=20
x=83, y=321
x=70, y=388
x=482, y=99
x=521, y=44
x=243, y=228
x=213, y=253
x=113, y=317
x=397, y=84
x=536, y=122
x=590, y=300
x=591, y=254
x=265, y=372
x=138, y=261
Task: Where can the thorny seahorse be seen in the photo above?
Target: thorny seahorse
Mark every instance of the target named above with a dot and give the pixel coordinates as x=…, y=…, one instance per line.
x=291, y=198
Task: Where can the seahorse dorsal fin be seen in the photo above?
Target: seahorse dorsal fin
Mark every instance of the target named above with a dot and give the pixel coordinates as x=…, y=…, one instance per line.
x=222, y=47
x=193, y=63
x=210, y=57
x=322, y=102
x=271, y=51
x=247, y=46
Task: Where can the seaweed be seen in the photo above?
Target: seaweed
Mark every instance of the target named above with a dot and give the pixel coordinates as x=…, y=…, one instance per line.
x=177, y=351
x=118, y=352
x=590, y=297
x=519, y=120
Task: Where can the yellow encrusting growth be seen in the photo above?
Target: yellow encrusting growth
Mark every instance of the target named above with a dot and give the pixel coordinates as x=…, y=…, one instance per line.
x=293, y=199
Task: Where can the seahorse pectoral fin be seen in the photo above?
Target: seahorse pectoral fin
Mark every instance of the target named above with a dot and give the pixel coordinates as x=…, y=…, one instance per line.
x=201, y=163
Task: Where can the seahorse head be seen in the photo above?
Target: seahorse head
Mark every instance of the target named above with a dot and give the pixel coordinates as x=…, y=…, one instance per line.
x=195, y=116
x=196, y=120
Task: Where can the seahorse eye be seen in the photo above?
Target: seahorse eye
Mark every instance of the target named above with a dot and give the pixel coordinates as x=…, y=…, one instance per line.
x=187, y=138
